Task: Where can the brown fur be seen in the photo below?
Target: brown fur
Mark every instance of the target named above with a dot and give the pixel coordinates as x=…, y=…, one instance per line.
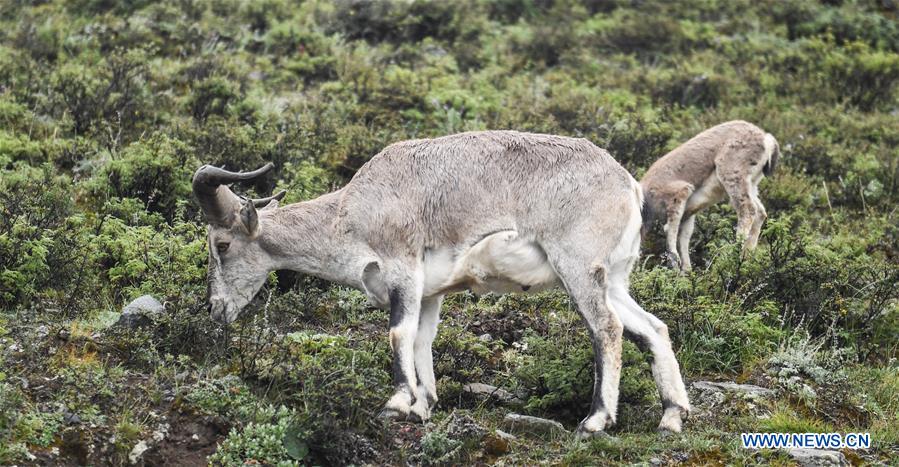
x=728, y=159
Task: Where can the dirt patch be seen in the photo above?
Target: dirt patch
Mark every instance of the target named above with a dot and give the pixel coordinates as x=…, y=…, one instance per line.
x=189, y=441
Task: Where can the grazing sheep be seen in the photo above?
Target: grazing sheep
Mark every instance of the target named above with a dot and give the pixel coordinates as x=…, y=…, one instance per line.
x=729, y=159
x=498, y=210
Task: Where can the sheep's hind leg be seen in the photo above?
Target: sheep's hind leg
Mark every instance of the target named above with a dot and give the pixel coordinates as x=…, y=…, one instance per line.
x=738, y=168
x=651, y=334
x=587, y=285
x=683, y=241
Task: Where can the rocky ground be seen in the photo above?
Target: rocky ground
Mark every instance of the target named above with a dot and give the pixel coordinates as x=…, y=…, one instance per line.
x=83, y=403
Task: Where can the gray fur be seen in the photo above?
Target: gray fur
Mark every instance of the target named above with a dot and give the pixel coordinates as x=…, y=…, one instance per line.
x=728, y=159
x=496, y=210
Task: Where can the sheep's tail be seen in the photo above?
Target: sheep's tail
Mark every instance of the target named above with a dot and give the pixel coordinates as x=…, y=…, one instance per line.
x=772, y=153
x=647, y=212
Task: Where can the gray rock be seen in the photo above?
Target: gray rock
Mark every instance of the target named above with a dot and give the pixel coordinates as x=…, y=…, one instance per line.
x=518, y=423
x=818, y=457
x=486, y=337
x=434, y=50
x=70, y=418
x=749, y=389
x=42, y=331
x=140, y=312
x=486, y=391
x=464, y=428
x=506, y=436
x=138, y=451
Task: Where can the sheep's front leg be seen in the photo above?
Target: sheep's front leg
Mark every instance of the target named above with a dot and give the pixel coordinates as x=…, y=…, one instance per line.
x=426, y=394
x=405, y=304
x=676, y=203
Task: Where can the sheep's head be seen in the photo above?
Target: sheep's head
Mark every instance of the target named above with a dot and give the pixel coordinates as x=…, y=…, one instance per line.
x=238, y=263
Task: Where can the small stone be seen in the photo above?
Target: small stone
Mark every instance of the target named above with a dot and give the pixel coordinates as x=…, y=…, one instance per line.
x=138, y=451
x=655, y=461
x=486, y=391
x=161, y=432
x=486, y=337
x=195, y=437
x=518, y=423
x=818, y=457
x=464, y=428
x=70, y=418
x=42, y=331
x=748, y=389
x=140, y=312
x=497, y=444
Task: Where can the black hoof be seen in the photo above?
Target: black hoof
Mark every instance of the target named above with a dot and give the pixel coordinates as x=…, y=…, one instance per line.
x=673, y=261
x=414, y=417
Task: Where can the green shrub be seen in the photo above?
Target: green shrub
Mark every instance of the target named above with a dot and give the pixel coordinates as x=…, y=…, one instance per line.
x=35, y=244
x=12, y=448
x=271, y=443
x=103, y=97
x=847, y=23
x=646, y=34
x=865, y=77
x=212, y=96
x=156, y=171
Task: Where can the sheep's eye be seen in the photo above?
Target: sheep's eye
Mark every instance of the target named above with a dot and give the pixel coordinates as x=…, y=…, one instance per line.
x=222, y=246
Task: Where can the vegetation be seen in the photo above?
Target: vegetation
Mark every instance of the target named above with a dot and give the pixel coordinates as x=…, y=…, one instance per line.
x=107, y=108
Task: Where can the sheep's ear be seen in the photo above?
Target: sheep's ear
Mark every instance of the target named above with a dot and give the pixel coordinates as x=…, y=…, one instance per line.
x=270, y=202
x=249, y=217
x=375, y=287
x=272, y=205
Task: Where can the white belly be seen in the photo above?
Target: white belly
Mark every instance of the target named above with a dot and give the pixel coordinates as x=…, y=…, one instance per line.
x=502, y=263
x=710, y=192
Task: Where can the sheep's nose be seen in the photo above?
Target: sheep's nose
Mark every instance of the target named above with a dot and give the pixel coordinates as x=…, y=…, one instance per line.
x=217, y=310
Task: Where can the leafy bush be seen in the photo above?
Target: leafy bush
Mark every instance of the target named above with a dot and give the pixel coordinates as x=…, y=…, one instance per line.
x=11, y=402
x=35, y=247
x=111, y=95
x=645, y=34
x=865, y=77
x=266, y=443
x=156, y=171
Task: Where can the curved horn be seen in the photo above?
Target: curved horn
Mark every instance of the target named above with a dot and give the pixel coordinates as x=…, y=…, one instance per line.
x=219, y=203
x=261, y=203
